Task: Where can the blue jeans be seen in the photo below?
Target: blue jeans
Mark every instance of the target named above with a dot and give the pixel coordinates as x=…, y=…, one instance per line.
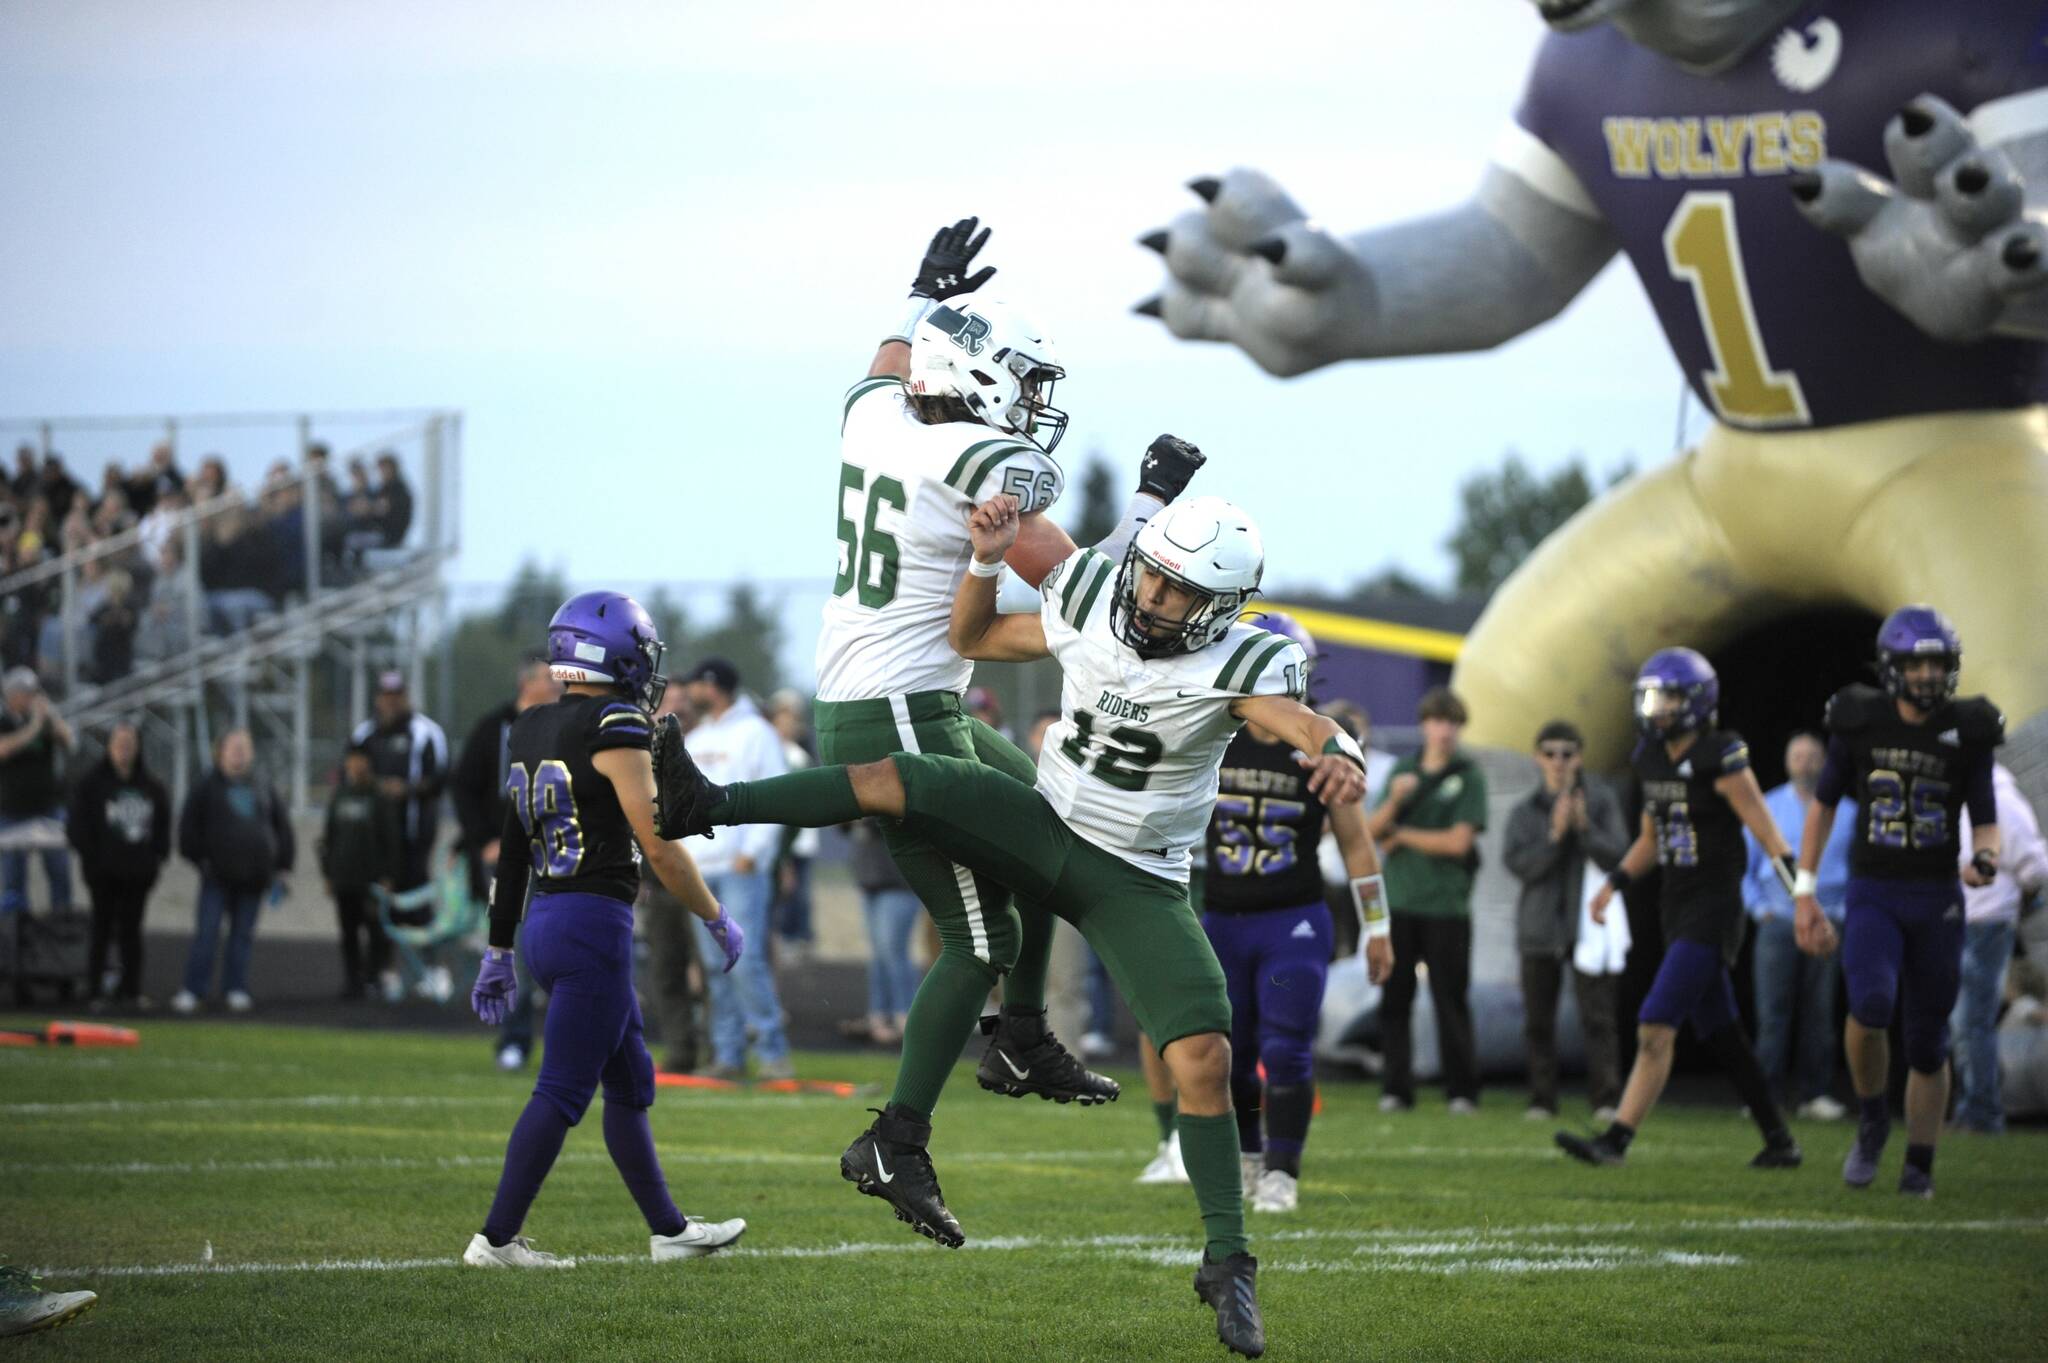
x=745, y=1000
x=239, y=907
x=1987, y=950
x=793, y=910
x=14, y=870
x=892, y=979
x=1788, y=981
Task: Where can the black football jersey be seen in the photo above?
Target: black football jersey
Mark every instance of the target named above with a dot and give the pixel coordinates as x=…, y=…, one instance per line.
x=1909, y=780
x=1699, y=838
x=1263, y=835
x=578, y=835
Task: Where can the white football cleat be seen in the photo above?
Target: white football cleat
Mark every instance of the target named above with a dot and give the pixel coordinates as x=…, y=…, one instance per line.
x=1166, y=1166
x=1251, y=1168
x=26, y=1308
x=518, y=1252
x=698, y=1239
x=1278, y=1191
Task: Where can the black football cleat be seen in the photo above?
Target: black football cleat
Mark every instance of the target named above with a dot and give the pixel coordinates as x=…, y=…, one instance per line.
x=1779, y=1153
x=1591, y=1149
x=1231, y=1287
x=1024, y=1057
x=683, y=794
x=889, y=1161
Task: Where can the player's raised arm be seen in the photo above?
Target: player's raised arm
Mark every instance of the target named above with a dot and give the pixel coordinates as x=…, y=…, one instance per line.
x=941, y=274
x=1332, y=757
x=631, y=772
x=976, y=630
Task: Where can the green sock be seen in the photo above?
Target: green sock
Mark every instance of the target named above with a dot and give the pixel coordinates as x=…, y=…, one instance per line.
x=942, y=1019
x=1208, y=1146
x=813, y=798
x=1165, y=1112
x=1024, y=986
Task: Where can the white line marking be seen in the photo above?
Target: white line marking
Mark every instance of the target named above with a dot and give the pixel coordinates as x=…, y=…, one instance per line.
x=324, y=1100
x=1463, y=1250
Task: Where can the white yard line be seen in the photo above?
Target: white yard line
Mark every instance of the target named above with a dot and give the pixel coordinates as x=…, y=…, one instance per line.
x=342, y=1100
x=1506, y=1249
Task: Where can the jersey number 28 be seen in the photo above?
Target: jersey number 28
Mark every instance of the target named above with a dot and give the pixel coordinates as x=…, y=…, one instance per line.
x=545, y=801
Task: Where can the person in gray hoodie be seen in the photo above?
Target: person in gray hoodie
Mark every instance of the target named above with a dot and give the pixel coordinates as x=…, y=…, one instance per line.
x=1551, y=837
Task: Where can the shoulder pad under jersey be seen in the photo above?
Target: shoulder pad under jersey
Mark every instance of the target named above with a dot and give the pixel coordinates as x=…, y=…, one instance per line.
x=1979, y=722
x=1854, y=708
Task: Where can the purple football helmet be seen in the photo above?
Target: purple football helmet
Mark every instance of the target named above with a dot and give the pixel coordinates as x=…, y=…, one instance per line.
x=1676, y=692
x=1911, y=633
x=1285, y=625
x=605, y=638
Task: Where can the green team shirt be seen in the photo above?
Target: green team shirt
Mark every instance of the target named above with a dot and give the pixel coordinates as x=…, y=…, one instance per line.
x=1440, y=887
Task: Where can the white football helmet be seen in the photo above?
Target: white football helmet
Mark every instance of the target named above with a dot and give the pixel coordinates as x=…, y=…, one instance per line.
x=984, y=352
x=1206, y=545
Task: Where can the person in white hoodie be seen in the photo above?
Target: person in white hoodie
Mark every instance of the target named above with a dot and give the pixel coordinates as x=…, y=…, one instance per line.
x=734, y=743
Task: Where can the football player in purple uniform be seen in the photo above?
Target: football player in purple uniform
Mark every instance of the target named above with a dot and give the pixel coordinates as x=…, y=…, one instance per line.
x=1865, y=393
x=1264, y=912
x=1698, y=795
x=1911, y=756
x=581, y=818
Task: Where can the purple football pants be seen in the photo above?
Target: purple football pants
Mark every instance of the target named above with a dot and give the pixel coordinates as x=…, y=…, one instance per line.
x=580, y=949
x=1902, y=947
x=1692, y=985
x=1275, y=964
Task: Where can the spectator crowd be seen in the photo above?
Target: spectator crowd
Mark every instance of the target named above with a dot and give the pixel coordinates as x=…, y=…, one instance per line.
x=132, y=601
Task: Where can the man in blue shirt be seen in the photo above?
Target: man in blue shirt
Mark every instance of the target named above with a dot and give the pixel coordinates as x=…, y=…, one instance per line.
x=1787, y=980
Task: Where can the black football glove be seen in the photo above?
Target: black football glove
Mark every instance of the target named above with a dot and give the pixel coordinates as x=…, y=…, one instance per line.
x=1167, y=467
x=944, y=271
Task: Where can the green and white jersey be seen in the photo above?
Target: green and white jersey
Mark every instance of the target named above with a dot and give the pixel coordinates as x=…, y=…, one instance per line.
x=905, y=490
x=1131, y=765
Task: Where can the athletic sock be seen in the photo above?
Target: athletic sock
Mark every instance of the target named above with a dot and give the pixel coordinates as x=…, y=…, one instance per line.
x=1921, y=1157
x=1024, y=986
x=631, y=1143
x=1619, y=1136
x=1874, y=1111
x=1248, y=1103
x=1163, y=1113
x=536, y=1139
x=813, y=798
x=943, y=1016
x=1731, y=1047
x=1288, y=1109
x=1208, y=1147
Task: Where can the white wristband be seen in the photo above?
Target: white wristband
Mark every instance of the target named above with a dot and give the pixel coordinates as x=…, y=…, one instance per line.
x=976, y=568
x=1369, y=895
x=920, y=308
x=1804, y=884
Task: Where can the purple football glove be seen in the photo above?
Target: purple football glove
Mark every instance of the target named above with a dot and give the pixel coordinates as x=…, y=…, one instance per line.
x=728, y=935
x=497, y=987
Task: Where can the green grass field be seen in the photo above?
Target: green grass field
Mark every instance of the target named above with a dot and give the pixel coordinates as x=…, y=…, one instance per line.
x=250, y=1192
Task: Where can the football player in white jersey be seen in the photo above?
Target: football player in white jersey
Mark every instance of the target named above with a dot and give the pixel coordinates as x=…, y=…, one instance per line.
x=1159, y=675
x=955, y=410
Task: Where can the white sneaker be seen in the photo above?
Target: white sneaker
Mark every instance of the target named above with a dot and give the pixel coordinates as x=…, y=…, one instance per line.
x=1821, y=1109
x=1096, y=1046
x=239, y=1001
x=1251, y=1168
x=1604, y=1116
x=698, y=1239
x=1278, y=1191
x=1463, y=1107
x=511, y=1058
x=1536, y=1112
x=1166, y=1166
x=1389, y=1103
x=518, y=1252
x=185, y=1003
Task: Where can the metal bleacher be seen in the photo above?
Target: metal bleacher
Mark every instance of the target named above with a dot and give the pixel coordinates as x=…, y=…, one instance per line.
x=298, y=673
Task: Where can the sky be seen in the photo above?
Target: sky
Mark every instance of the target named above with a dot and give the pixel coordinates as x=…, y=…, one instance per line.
x=645, y=247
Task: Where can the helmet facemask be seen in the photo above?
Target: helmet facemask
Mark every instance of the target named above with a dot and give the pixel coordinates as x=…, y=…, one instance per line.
x=654, y=651
x=1032, y=414
x=1664, y=711
x=1152, y=635
x=1925, y=694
